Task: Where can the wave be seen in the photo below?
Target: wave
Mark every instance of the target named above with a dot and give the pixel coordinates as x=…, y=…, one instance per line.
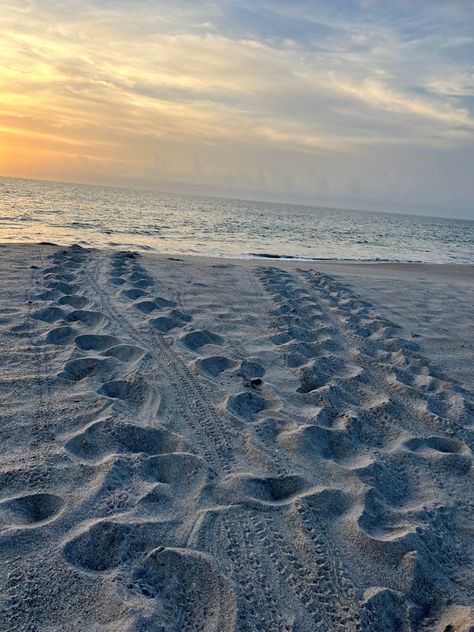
x=266, y=255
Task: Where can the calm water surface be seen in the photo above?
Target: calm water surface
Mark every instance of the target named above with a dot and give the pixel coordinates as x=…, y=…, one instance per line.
x=32, y=211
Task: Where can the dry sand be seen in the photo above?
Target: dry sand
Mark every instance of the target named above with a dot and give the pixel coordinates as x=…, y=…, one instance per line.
x=211, y=445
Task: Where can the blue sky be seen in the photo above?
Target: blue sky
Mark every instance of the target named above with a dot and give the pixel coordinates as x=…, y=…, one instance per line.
x=359, y=103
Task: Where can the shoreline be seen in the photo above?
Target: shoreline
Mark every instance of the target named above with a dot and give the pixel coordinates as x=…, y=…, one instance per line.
x=464, y=271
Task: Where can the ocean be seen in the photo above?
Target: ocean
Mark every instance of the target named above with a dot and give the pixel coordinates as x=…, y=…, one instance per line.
x=34, y=211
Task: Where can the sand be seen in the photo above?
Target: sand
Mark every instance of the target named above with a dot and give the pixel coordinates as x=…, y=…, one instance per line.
x=214, y=445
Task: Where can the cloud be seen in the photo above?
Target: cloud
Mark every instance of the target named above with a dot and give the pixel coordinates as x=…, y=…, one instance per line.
x=379, y=96
x=277, y=91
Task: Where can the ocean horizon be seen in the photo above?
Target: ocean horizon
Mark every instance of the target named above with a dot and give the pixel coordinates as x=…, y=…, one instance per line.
x=189, y=224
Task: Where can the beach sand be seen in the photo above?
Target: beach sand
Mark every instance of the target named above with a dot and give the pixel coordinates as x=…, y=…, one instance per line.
x=194, y=444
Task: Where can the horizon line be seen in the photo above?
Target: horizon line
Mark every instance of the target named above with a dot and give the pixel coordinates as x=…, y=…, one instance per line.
x=239, y=199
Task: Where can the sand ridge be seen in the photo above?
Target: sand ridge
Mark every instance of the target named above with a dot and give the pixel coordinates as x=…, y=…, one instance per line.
x=214, y=447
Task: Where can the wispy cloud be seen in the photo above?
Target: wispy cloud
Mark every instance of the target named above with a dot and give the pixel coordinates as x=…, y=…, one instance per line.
x=379, y=96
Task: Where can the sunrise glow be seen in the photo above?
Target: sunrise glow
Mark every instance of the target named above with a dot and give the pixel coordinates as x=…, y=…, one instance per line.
x=330, y=103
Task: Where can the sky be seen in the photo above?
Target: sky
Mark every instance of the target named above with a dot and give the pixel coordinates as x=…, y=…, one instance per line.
x=353, y=103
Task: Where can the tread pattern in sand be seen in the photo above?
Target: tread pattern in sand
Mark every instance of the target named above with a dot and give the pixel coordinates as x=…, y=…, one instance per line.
x=390, y=419
x=195, y=467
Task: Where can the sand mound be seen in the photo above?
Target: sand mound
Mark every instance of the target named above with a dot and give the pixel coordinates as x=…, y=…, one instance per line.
x=89, y=318
x=49, y=314
x=30, y=510
x=243, y=488
x=125, y=353
x=73, y=300
x=214, y=365
x=134, y=293
x=250, y=369
x=104, y=438
x=100, y=548
x=195, y=340
x=191, y=587
x=174, y=319
x=95, y=342
x=60, y=335
x=247, y=405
